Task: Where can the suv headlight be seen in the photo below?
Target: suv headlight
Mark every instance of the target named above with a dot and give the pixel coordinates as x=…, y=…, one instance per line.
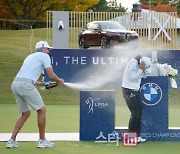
x=122, y=36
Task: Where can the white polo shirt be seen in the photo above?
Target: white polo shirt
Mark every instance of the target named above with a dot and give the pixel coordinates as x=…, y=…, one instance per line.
x=34, y=65
x=132, y=75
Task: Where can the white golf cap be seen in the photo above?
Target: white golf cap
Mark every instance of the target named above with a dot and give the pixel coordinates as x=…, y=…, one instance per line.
x=147, y=61
x=41, y=44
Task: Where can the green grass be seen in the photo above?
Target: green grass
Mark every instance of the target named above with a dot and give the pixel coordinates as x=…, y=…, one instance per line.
x=60, y=118
x=94, y=148
x=65, y=118
x=14, y=47
x=63, y=106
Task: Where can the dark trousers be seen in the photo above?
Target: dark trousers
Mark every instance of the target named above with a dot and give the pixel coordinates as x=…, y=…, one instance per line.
x=133, y=101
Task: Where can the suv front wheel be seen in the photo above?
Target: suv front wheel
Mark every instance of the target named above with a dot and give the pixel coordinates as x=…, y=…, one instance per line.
x=82, y=44
x=104, y=43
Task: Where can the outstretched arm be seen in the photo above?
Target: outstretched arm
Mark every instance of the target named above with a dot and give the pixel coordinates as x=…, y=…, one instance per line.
x=54, y=77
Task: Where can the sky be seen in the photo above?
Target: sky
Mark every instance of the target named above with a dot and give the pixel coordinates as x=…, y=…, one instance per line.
x=127, y=3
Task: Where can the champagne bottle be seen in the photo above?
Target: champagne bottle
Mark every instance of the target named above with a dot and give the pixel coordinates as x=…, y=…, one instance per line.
x=50, y=84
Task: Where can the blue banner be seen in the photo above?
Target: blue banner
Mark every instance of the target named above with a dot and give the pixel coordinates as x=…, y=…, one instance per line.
x=102, y=68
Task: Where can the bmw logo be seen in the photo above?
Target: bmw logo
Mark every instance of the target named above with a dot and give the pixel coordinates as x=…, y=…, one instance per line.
x=151, y=94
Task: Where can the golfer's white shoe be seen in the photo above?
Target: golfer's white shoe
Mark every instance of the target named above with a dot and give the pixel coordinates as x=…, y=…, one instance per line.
x=141, y=140
x=12, y=144
x=44, y=144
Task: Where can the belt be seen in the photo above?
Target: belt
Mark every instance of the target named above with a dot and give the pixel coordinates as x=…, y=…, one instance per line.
x=25, y=80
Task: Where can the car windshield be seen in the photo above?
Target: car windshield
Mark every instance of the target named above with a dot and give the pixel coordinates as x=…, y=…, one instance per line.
x=111, y=25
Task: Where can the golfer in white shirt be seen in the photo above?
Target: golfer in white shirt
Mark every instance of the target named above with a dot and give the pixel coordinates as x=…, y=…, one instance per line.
x=137, y=68
x=27, y=96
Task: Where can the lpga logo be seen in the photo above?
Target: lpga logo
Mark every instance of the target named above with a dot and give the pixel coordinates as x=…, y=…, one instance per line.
x=151, y=94
x=95, y=103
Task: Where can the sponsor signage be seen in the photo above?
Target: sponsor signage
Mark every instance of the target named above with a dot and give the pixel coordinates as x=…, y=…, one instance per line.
x=97, y=115
x=154, y=94
x=97, y=110
x=75, y=65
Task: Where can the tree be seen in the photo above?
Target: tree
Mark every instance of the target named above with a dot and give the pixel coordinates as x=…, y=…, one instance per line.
x=148, y=2
x=161, y=5
x=176, y=4
x=104, y=6
x=76, y=5
x=35, y=9
x=5, y=14
x=114, y=7
x=28, y=9
x=101, y=6
x=164, y=1
x=164, y=8
x=144, y=6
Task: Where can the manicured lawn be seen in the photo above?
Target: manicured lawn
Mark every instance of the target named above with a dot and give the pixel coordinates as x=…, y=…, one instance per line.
x=94, y=148
x=63, y=106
